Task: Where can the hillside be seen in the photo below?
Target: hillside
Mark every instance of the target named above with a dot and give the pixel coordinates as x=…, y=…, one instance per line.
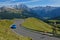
x=7, y=34
x=11, y=13
x=23, y=11
x=36, y=24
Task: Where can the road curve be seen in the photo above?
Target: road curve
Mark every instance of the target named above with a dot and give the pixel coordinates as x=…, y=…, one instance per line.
x=34, y=35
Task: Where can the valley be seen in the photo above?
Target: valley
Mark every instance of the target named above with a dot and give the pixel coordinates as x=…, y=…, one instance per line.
x=30, y=22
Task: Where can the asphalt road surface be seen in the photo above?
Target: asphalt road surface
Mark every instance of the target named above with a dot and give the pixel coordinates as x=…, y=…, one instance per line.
x=34, y=35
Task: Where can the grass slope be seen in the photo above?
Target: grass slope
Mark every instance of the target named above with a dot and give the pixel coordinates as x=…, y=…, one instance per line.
x=36, y=24
x=7, y=34
x=57, y=25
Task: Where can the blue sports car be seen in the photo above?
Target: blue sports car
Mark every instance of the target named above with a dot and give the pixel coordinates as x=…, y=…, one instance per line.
x=13, y=26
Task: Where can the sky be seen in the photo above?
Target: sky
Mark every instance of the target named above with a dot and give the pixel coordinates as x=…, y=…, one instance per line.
x=31, y=3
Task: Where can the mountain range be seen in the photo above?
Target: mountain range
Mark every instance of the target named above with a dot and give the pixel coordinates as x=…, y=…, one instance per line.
x=24, y=11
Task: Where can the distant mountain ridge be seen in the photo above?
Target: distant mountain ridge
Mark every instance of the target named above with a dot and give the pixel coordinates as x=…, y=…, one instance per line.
x=43, y=13
x=20, y=6
x=47, y=12
x=9, y=13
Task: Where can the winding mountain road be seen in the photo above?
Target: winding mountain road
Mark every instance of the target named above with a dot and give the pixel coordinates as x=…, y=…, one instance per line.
x=34, y=35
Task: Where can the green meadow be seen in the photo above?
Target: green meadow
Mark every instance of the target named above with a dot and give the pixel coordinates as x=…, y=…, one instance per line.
x=7, y=34
x=36, y=24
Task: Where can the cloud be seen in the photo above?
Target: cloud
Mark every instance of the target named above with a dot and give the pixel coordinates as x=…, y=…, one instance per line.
x=22, y=1
x=31, y=1
x=27, y=2
x=18, y=1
